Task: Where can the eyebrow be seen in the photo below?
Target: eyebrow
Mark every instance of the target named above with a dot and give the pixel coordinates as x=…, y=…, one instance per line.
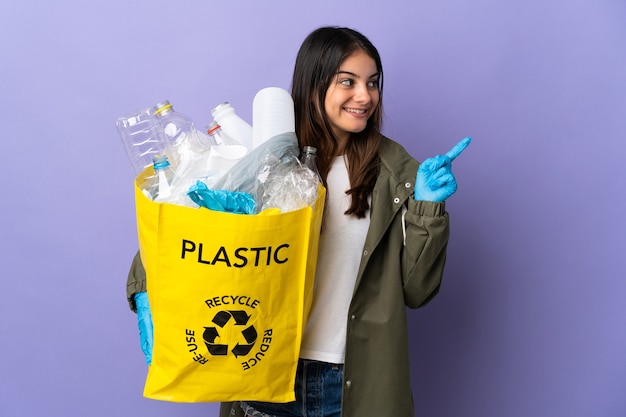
x=376, y=74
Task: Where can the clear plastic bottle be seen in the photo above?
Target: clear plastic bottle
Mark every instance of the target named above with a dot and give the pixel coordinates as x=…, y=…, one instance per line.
x=158, y=186
x=143, y=138
x=233, y=125
x=180, y=133
x=309, y=160
x=217, y=135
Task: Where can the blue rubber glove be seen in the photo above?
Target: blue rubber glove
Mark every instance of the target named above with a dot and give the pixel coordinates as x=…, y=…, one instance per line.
x=435, y=181
x=144, y=320
x=222, y=200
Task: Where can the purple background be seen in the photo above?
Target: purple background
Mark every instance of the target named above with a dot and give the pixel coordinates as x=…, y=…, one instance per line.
x=531, y=319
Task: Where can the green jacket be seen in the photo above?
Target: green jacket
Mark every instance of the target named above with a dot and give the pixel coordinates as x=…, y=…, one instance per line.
x=401, y=266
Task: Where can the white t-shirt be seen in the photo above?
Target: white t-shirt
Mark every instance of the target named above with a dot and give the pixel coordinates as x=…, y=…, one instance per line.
x=339, y=255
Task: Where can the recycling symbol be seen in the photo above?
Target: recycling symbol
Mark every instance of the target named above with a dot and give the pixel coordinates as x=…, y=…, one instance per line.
x=221, y=318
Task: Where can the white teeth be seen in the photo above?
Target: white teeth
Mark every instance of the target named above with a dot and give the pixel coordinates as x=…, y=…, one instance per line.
x=358, y=111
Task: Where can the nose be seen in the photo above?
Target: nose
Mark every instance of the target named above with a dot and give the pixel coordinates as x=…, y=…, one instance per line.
x=362, y=94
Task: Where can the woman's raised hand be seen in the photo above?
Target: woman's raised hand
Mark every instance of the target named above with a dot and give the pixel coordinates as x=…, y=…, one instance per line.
x=435, y=181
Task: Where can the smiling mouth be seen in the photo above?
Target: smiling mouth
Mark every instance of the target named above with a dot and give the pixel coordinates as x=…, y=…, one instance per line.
x=355, y=111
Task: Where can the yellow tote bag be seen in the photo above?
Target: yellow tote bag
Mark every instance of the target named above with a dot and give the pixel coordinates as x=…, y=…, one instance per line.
x=229, y=295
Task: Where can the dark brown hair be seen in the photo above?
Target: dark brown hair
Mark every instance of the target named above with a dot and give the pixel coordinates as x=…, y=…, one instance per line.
x=319, y=58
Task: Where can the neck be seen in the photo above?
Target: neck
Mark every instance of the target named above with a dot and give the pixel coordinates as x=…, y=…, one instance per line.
x=341, y=145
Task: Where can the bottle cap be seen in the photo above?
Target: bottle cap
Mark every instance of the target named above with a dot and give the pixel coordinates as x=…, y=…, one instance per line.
x=310, y=150
x=212, y=127
x=162, y=106
x=220, y=107
x=160, y=161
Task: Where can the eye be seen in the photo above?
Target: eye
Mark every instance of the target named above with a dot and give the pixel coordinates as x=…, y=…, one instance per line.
x=346, y=82
x=373, y=83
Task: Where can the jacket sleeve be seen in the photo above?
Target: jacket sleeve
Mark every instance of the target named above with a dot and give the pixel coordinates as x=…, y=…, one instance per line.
x=427, y=229
x=136, y=281
x=231, y=410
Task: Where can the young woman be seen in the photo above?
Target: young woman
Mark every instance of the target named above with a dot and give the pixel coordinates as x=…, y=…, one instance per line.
x=383, y=244
x=382, y=247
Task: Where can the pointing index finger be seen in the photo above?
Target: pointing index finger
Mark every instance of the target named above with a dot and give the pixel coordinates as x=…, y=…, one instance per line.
x=458, y=148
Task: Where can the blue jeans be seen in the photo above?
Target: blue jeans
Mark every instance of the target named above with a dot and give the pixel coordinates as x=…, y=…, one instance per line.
x=318, y=393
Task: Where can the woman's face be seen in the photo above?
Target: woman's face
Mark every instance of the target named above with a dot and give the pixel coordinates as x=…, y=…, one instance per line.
x=352, y=96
